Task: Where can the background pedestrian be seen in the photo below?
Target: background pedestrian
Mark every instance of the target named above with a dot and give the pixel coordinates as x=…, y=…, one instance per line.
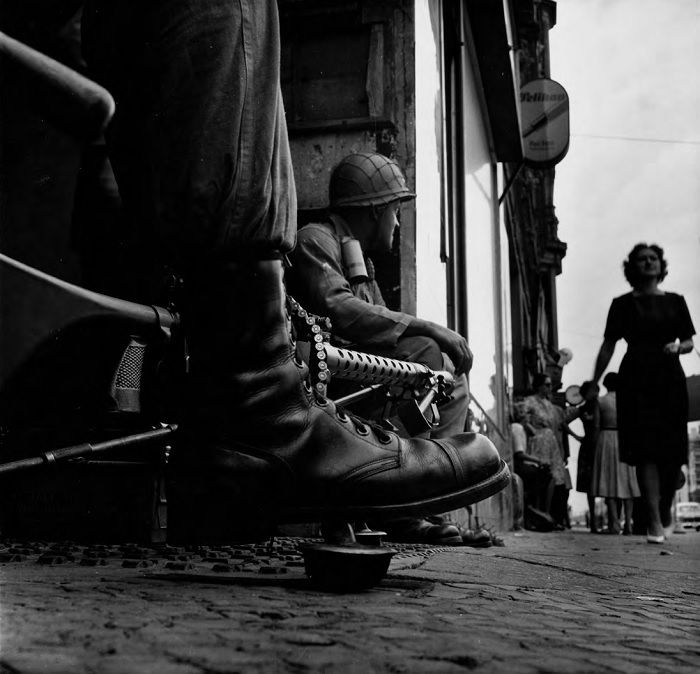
x=613, y=479
x=590, y=417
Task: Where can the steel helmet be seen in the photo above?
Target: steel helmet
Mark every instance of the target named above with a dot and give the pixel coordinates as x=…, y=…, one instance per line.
x=367, y=179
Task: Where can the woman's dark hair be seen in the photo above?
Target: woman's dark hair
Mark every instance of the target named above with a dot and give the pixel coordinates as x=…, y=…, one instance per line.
x=630, y=269
x=610, y=381
x=539, y=379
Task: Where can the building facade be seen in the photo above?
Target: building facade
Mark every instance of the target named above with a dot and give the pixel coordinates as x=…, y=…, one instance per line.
x=435, y=85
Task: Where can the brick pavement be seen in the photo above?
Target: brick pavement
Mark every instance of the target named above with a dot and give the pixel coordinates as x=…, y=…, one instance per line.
x=558, y=602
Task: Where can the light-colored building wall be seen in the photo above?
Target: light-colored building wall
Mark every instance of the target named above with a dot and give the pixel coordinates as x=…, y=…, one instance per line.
x=481, y=192
x=486, y=240
x=431, y=286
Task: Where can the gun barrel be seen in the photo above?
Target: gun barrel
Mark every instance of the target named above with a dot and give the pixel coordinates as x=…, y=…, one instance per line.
x=370, y=369
x=86, y=448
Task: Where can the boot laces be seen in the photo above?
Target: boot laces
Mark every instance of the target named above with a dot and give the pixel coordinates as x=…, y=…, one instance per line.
x=362, y=426
x=308, y=324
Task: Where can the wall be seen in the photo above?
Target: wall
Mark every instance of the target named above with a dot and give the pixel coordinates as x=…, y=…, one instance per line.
x=347, y=83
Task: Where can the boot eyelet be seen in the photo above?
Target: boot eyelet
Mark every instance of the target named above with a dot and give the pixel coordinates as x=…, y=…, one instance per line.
x=298, y=362
x=308, y=388
x=342, y=416
x=362, y=430
x=321, y=401
x=384, y=438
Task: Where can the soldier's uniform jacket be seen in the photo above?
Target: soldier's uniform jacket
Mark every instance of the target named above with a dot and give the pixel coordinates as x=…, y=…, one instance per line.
x=319, y=281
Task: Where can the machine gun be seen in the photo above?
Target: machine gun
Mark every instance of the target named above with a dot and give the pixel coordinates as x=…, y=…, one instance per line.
x=413, y=388
x=76, y=366
x=84, y=381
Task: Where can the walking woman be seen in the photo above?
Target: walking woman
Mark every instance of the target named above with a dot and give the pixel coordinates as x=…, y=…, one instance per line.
x=652, y=399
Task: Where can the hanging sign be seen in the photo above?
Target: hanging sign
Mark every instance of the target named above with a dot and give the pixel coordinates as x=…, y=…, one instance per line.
x=544, y=111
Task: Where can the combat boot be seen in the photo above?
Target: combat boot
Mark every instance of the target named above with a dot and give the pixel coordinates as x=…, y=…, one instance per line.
x=259, y=446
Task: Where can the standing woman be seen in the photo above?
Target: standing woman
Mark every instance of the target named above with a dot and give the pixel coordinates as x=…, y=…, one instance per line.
x=652, y=399
x=544, y=424
x=613, y=479
x=590, y=417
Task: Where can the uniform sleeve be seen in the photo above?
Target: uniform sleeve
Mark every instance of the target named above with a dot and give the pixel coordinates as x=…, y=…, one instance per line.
x=686, y=329
x=322, y=288
x=614, y=326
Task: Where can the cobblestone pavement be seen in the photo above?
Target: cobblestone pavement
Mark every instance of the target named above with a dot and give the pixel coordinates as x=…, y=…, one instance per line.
x=557, y=602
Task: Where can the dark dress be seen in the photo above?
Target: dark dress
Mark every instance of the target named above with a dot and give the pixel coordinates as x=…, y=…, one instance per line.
x=652, y=398
x=590, y=417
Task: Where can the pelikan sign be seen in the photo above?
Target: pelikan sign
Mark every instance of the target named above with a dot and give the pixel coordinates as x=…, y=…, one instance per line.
x=544, y=112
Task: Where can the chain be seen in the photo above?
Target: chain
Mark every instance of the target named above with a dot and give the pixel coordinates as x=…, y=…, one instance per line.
x=316, y=330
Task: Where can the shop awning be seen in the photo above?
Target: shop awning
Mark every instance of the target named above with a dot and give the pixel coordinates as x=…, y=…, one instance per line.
x=490, y=40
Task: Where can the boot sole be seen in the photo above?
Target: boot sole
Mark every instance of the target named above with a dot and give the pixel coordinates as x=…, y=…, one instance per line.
x=206, y=521
x=432, y=506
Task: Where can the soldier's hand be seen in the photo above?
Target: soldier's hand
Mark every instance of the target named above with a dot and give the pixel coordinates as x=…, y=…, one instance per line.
x=456, y=347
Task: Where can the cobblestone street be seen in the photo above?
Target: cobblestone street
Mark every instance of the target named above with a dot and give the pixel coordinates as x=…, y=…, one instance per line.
x=557, y=602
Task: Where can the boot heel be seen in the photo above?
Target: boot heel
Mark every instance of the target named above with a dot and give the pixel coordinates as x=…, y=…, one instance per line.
x=196, y=517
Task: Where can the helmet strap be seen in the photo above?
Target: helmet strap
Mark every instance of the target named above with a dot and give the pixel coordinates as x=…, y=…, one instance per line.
x=376, y=211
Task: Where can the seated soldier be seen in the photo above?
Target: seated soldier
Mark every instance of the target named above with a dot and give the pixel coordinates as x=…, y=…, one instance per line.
x=331, y=277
